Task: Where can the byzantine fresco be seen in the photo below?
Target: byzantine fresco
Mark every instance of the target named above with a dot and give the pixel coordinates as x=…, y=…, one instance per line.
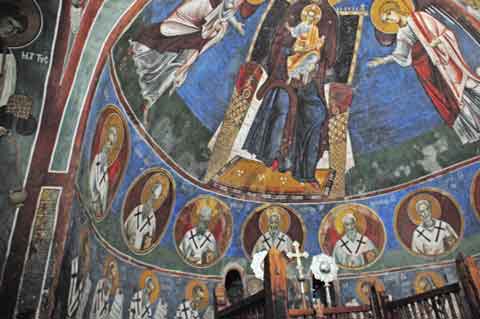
x=127, y=289
x=109, y=154
x=354, y=235
x=429, y=223
x=203, y=231
x=27, y=29
x=289, y=114
x=269, y=122
x=272, y=226
x=147, y=210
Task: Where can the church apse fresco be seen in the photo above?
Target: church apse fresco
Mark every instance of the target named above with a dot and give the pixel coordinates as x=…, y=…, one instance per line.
x=303, y=100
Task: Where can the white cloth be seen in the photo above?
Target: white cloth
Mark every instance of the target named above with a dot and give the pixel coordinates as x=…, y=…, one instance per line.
x=278, y=240
x=78, y=292
x=100, y=307
x=139, y=227
x=350, y=253
x=157, y=71
x=431, y=241
x=449, y=62
x=186, y=311
x=98, y=182
x=140, y=307
x=8, y=77
x=195, y=246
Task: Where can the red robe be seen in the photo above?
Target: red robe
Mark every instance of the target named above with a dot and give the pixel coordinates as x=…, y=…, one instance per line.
x=442, y=70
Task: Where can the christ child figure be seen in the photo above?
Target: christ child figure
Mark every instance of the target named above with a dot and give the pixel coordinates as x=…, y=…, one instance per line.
x=308, y=44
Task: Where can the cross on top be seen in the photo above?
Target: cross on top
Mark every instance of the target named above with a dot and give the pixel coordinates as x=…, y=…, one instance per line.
x=298, y=256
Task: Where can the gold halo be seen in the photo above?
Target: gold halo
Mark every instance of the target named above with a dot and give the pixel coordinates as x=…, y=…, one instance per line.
x=364, y=298
x=437, y=279
x=157, y=178
x=110, y=260
x=141, y=283
x=412, y=210
x=312, y=8
x=360, y=218
x=113, y=120
x=211, y=202
x=284, y=218
x=189, y=293
x=379, y=7
x=255, y=2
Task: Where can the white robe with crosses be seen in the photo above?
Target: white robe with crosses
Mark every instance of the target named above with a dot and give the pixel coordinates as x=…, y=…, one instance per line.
x=138, y=227
x=350, y=253
x=194, y=245
x=431, y=241
x=278, y=240
x=98, y=182
x=78, y=292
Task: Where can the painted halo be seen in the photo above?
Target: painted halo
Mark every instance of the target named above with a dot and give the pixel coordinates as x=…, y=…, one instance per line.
x=448, y=218
x=291, y=224
x=370, y=236
x=147, y=209
x=142, y=283
x=189, y=293
x=202, y=244
x=361, y=285
x=475, y=194
x=110, y=270
x=428, y=280
x=117, y=157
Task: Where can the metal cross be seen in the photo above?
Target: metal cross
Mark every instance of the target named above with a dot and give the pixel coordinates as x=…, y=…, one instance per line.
x=298, y=256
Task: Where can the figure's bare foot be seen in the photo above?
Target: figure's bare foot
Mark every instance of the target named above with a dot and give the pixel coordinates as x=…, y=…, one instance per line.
x=275, y=165
x=315, y=185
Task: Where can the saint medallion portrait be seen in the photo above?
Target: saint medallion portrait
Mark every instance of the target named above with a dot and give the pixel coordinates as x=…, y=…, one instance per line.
x=196, y=302
x=203, y=231
x=146, y=301
x=428, y=280
x=21, y=22
x=147, y=209
x=108, y=160
x=428, y=223
x=363, y=287
x=272, y=226
x=107, y=299
x=354, y=235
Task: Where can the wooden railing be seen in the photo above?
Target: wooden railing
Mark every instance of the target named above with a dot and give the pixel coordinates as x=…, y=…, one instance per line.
x=271, y=302
x=459, y=300
x=252, y=307
x=441, y=303
x=351, y=312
